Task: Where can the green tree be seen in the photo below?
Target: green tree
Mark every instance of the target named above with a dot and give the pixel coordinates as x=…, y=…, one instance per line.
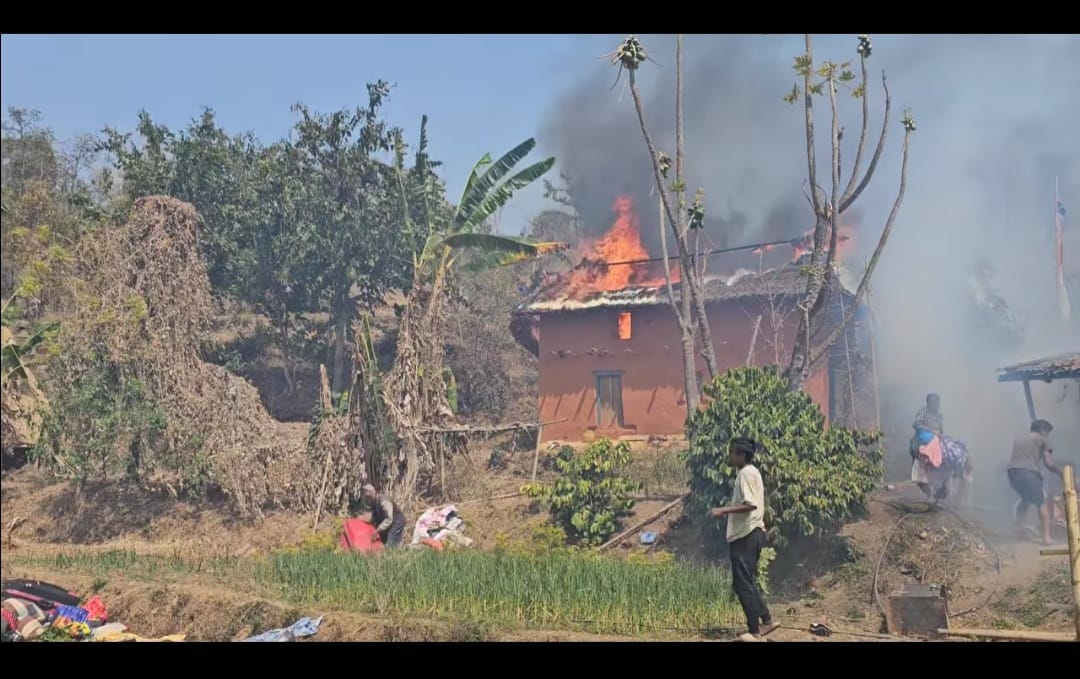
x=306, y=225
x=223, y=176
x=350, y=238
x=250, y=197
x=815, y=477
x=46, y=201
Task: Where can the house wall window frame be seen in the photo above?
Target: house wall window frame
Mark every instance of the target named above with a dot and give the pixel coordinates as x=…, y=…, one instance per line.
x=608, y=388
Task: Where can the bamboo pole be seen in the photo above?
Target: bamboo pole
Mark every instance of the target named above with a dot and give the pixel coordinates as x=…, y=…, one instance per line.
x=1053, y=552
x=644, y=522
x=1072, y=524
x=1007, y=634
x=504, y=496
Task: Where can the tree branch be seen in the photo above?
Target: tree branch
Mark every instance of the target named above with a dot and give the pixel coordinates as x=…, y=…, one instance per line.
x=688, y=281
x=667, y=274
x=808, y=106
x=860, y=292
x=657, y=174
x=848, y=199
x=835, y=197
x=865, y=128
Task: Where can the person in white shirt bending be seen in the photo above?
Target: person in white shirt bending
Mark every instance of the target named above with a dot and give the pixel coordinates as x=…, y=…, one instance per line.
x=746, y=536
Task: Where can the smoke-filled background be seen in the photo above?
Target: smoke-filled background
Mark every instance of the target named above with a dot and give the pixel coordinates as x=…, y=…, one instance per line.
x=996, y=120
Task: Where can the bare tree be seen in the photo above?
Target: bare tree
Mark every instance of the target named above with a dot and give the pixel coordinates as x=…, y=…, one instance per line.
x=690, y=308
x=829, y=206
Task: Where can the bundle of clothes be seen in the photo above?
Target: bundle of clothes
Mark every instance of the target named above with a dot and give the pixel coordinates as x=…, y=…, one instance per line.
x=301, y=629
x=33, y=610
x=439, y=527
x=938, y=460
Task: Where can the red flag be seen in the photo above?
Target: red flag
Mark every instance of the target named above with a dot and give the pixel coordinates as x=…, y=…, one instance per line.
x=1059, y=233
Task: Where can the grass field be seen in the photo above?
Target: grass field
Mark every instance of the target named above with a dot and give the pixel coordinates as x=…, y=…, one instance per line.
x=558, y=591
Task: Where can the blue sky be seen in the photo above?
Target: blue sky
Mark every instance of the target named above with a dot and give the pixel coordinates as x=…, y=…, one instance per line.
x=483, y=93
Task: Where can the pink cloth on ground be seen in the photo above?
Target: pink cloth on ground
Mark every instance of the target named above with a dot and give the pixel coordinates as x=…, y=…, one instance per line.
x=932, y=452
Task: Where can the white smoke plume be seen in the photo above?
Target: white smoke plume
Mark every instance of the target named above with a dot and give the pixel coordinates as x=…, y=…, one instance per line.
x=997, y=122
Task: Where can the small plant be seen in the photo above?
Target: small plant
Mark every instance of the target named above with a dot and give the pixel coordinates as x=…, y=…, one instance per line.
x=592, y=493
x=768, y=555
x=815, y=477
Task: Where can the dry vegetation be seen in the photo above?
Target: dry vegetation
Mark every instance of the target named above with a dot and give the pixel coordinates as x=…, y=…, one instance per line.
x=137, y=307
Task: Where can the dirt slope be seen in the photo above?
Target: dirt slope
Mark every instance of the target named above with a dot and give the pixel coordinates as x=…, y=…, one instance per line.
x=835, y=587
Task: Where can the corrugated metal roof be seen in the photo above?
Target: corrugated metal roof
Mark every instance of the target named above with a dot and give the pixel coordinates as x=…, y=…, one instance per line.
x=1065, y=366
x=783, y=281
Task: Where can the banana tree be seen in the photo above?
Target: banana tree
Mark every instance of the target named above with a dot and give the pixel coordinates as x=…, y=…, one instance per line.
x=14, y=354
x=415, y=391
x=487, y=190
x=20, y=416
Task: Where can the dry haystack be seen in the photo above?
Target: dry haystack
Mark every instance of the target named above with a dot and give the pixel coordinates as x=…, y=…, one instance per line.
x=142, y=291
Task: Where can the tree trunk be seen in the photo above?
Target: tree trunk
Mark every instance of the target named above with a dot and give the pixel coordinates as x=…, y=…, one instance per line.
x=800, y=355
x=689, y=299
x=684, y=318
x=690, y=276
x=341, y=326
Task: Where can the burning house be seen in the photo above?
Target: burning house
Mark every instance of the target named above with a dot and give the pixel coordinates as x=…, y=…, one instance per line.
x=608, y=342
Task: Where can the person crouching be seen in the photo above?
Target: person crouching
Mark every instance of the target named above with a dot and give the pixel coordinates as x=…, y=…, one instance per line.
x=387, y=517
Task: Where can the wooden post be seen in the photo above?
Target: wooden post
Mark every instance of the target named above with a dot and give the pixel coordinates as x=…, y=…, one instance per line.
x=326, y=400
x=1072, y=524
x=442, y=473
x=1019, y=635
x=1030, y=403
x=536, y=453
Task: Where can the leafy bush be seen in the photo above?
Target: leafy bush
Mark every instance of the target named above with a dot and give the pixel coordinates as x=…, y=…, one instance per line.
x=815, y=477
x=104, y=427
x=544, y=541
x=591, y=494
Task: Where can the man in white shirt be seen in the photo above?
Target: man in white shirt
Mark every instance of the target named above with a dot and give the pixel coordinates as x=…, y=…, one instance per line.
x=746, y=536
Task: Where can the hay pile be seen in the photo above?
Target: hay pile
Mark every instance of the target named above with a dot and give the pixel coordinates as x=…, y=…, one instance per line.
x=141, y=293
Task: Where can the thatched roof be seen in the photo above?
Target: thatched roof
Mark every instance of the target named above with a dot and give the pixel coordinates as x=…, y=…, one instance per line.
x=1062, y=367
x=785, y=281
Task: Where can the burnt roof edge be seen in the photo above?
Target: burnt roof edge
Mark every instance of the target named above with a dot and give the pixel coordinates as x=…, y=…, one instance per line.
x=1048, y=369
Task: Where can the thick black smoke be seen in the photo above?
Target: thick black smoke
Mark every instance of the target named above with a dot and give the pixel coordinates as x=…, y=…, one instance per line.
x=596, y=136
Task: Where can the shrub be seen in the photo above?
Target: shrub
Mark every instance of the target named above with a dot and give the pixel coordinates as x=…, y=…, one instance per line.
x=591, y=494
x=106, y=426
x=815, y=477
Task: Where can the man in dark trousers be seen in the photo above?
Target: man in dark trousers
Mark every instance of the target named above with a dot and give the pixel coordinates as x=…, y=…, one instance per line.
x=388, y=518
x=1030, y=455
x=746, y=536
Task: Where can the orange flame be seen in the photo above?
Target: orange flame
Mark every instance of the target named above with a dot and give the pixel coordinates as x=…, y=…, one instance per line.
x=805, y=244
x=618, y=259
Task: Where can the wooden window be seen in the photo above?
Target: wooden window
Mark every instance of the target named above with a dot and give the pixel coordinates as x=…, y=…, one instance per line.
x=624, y=325
x=609, y=409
